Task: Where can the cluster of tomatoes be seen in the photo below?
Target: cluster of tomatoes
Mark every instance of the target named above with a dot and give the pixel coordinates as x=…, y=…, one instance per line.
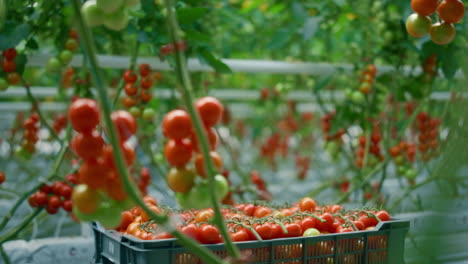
x=30, y=136
x=144, y=181
x=333, y=141
x=55, y=63
x=367, y=79
x=249, y=222
x=428, y=138
x=403, y=155
x=374, y=149
x=179, y=149
x=138, y=94
x=430, y=66
x=170, y=48
x=449, y=12
x=60, y=122
x=99, y=182
x=55, y=196
x=112, y=14
x=260, y=186
x=9, y=69
x=2, y=177
x=275, y=144
x=302, y=165
x=68, y=76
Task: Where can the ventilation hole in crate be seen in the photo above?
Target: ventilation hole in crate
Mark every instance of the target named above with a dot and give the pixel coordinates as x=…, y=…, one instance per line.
x=286, y=252
x=377, y=242
x=349, y=259
x=351, y=245
x=322, y=248
x=377, y=257
x=220, y=253
x=186, y=258
x=327, y=260
x=258, y=254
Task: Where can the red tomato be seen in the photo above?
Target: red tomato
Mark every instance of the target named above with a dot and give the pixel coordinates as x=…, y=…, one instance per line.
x=276, y=231
x=326, y=226
x=200, y=163
x=115, y=189
x=262, y=211
x=67, y=205
x=359, y=225
x=212, y=139
x=307, y=204
x=210, y=110
x=191, y=230
x=178, y=153
x=94, y=174
x=130, y=89
x=335, y=208
x=129, y=76
x=146, y=83
x=54, y=201
x=126, y=220
x=177, y=124
x=264, y=230
x=46, y=188
x=294, y=230
x=9, y=65
x=88, y=146
x=240, y=235
x=307, y=223
x=127, y=151
x=124, y=123
x=209, y=234
x=40, y=198
x=65, y=191
x=9, y=54
x=249, y=209
x=52, y=210
x=144, y=69
x=383, y=215
x=451, y=11
x=84, y=115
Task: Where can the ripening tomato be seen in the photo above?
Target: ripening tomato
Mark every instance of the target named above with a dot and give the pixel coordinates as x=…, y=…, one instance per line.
x=88, y=146
x=144, y=69
x=204, y=216
x=209, y=234
x=442, y=33
x=129, y=76
x=9, y=65
x=126, y=218
x=71, y=44
x=145, y=217
x=84, y=115
x=180, y=179
x=417, y=25
x=210, y=110
x=124, y=123
x=307, y=204
x=13, y=78
x=128, y=101
x=177, y=124
x=424, y=7
x=451, y=11
x=94, y=174
x=200, y=163
x=86, y=199
x=178, y=152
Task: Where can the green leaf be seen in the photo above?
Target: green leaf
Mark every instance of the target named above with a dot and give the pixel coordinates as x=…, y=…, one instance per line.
x=190, y=15
x=21, y=61
x=210, y=59
x=12, y=35
x=280, y=39
x=32, y=44
x=195, y=36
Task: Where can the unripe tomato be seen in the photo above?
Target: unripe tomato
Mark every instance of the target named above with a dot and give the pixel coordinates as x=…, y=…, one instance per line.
x=109, y=6
x=84, y=115
x=118, y=20
x=92, y=14
x=13, y=78
x=180, y=180
x=210, y=110
x=311, y=232
x=149, y=114
x=65, y=57
x=108, y=215
x=71, y=44
x=221, y=186
x=3, y=84
x=53, y=64
x=418, y=26
x=442, y=33
x=88, y=146
x=200, y=163
x=86, y=199
x=177, y=124
x=135, y=111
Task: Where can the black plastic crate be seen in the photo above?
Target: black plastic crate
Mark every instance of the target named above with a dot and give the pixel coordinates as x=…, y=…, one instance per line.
x=383, y=245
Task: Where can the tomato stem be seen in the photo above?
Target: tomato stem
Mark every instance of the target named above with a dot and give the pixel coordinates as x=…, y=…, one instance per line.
x=186, y=89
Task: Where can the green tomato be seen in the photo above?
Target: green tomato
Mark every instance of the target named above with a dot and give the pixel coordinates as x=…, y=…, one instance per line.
x=22, y=153
x=109, y=6
x=442, y=33
x=221, y=186
x=357, y=97
x=3, y=84
x=82, y=216
x=116, y=21
x=53, y=64
x=348, y=93
x=417, y=25
x=135, y=111
x=372, y=160
x=199, y=197
x=92, y=14
x=108, y=215
x=401, y=170
x=183, y=200
x=311, y=232
x=410, y=174
x=399, y=160
x=131, y=3
x=148, y=114
x=66, y=56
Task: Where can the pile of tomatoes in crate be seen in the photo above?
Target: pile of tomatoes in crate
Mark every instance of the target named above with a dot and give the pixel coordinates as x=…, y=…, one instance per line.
x=250, y=222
